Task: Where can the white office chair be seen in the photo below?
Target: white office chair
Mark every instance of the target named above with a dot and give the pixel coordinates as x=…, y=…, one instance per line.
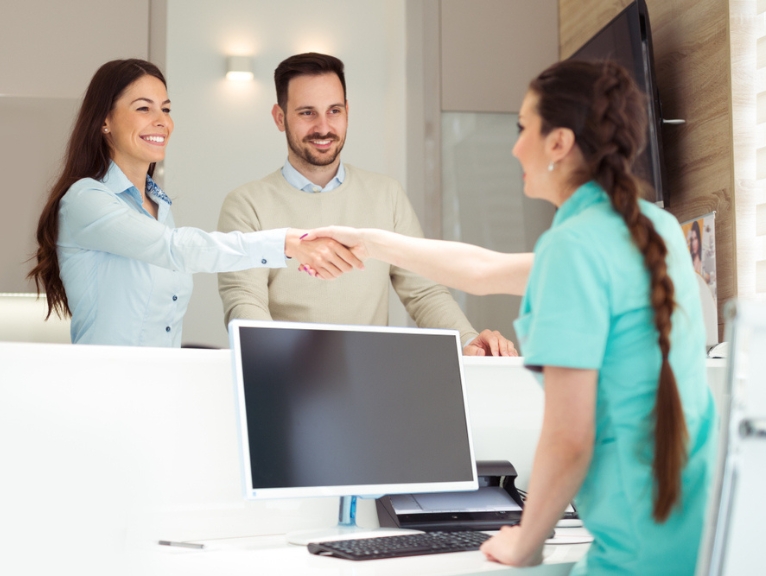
x=733, y=540
x=22, y=319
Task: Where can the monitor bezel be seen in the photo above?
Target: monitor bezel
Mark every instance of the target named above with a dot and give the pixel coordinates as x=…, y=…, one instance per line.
x=362, y=490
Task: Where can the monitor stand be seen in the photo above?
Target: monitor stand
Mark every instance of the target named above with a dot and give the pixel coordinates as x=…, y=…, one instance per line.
x=345, y=529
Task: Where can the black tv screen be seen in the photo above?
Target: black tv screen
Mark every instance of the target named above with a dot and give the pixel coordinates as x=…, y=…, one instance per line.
x=627, y=39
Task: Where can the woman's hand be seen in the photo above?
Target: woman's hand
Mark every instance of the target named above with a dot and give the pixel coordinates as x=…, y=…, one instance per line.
x=322, y=257
x=352, y=238
x=506, y=548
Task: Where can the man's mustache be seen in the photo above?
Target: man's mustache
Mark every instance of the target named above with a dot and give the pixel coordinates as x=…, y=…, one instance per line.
x=317, y=136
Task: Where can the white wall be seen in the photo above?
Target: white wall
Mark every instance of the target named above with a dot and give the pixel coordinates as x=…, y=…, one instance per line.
x=224, y=133
x=49, y=50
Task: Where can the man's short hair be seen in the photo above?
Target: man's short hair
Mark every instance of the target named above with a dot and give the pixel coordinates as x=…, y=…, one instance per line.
x=308, y=64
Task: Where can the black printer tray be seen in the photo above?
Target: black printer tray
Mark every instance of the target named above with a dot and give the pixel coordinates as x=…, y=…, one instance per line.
x=493, y=476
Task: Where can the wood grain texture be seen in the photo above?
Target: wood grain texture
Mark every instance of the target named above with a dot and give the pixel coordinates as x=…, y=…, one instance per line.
x=692, y=63
x=581, y=19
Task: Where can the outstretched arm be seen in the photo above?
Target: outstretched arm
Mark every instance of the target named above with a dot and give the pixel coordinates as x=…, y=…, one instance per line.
x=463, y=266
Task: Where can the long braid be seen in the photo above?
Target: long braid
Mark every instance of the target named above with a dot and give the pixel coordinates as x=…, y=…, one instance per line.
x=601, y=104
x=614, y=93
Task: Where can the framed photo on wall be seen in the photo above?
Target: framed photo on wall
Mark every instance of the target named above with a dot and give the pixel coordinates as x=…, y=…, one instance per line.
x=700, y=239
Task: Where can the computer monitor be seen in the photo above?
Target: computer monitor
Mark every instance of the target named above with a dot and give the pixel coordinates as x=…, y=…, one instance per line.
x=331, y=410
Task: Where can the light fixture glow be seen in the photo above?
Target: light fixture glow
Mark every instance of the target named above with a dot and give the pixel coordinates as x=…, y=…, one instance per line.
x=239, y=68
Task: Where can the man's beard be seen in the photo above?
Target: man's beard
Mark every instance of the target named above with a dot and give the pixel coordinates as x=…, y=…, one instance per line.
x=302, y=150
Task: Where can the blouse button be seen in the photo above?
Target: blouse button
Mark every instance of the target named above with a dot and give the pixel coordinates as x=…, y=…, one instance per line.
x=263, y=261
x=175, y=298
x=167, y=328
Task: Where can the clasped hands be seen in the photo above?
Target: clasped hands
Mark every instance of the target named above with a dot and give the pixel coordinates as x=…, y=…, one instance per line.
x=320, y=256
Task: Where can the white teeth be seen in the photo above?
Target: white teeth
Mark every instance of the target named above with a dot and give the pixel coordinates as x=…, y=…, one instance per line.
x=158, y=139
x=322, y=142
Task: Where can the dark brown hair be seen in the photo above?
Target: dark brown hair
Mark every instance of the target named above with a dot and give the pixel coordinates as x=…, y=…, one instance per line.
x=308, y=64
x=602, y=106
x=696, y=230
x=87, y=156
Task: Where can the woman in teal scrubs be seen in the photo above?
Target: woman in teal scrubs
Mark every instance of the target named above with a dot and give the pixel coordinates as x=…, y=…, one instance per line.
x=611, y=319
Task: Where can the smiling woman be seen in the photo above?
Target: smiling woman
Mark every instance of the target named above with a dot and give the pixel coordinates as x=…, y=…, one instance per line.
x=138, y=128
x=109, y=253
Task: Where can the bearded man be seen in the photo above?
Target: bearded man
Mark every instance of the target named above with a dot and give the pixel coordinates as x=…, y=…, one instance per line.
x=313, y=189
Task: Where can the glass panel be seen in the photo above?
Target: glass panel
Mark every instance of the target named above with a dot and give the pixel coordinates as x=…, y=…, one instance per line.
x=484, y=203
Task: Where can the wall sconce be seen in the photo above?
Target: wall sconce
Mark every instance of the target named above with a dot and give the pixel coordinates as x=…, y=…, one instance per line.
x=239, y=68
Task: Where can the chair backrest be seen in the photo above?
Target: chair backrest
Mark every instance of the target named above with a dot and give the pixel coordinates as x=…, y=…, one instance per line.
x=22, y=319
x=732, y=542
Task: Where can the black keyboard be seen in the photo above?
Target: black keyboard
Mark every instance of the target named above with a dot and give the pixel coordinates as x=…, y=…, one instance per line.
x=405, y=545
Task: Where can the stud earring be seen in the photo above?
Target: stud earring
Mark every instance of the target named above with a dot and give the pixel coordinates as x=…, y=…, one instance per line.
x=551, y=166
x=106, y=130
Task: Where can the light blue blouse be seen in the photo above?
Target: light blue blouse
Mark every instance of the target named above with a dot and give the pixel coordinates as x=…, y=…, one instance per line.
x=128, y=276
x=587, y=306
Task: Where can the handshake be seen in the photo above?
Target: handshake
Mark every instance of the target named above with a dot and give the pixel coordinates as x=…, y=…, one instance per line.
x=329, y=252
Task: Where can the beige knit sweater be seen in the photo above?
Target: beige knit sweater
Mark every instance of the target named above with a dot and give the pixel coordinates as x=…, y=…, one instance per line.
x=364, y=200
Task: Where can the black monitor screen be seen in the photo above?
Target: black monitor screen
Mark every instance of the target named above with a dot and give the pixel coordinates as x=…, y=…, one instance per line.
x=335, y=407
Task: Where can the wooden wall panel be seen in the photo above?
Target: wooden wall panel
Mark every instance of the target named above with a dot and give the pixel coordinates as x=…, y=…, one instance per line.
x=581, y=19
x=692, y=62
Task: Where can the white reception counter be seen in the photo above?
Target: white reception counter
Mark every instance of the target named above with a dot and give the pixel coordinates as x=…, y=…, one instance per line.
x=107, y=450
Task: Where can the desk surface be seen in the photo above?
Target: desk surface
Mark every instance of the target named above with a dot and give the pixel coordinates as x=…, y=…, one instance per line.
x=265, y=555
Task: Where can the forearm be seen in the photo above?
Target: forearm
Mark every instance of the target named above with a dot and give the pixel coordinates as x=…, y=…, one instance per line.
x=93, y=219
x=462, y=266
x=563, y=453
x=557, y=474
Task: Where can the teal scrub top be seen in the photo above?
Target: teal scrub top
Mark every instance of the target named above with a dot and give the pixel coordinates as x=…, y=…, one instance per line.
x=587, y=306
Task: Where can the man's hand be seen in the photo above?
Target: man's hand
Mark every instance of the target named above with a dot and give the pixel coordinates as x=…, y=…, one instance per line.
x=490, y=343
x=505, y=548
x=324, y=257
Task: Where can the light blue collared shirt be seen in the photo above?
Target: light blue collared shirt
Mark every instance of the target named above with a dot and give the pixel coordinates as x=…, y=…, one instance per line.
x=128, y=276
x=299, y=181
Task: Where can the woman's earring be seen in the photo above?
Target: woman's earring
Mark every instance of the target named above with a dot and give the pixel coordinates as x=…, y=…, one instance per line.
x=551, y=166
x=107, y=130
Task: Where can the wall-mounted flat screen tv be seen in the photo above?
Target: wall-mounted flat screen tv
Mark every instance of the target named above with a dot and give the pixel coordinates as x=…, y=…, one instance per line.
x=628, y=40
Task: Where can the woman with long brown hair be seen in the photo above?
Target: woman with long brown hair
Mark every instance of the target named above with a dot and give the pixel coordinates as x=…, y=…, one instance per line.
x=611, y=318
x=109, y=253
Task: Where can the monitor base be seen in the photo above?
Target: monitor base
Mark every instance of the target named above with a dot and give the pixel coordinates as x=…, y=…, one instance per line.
x=346, y=529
